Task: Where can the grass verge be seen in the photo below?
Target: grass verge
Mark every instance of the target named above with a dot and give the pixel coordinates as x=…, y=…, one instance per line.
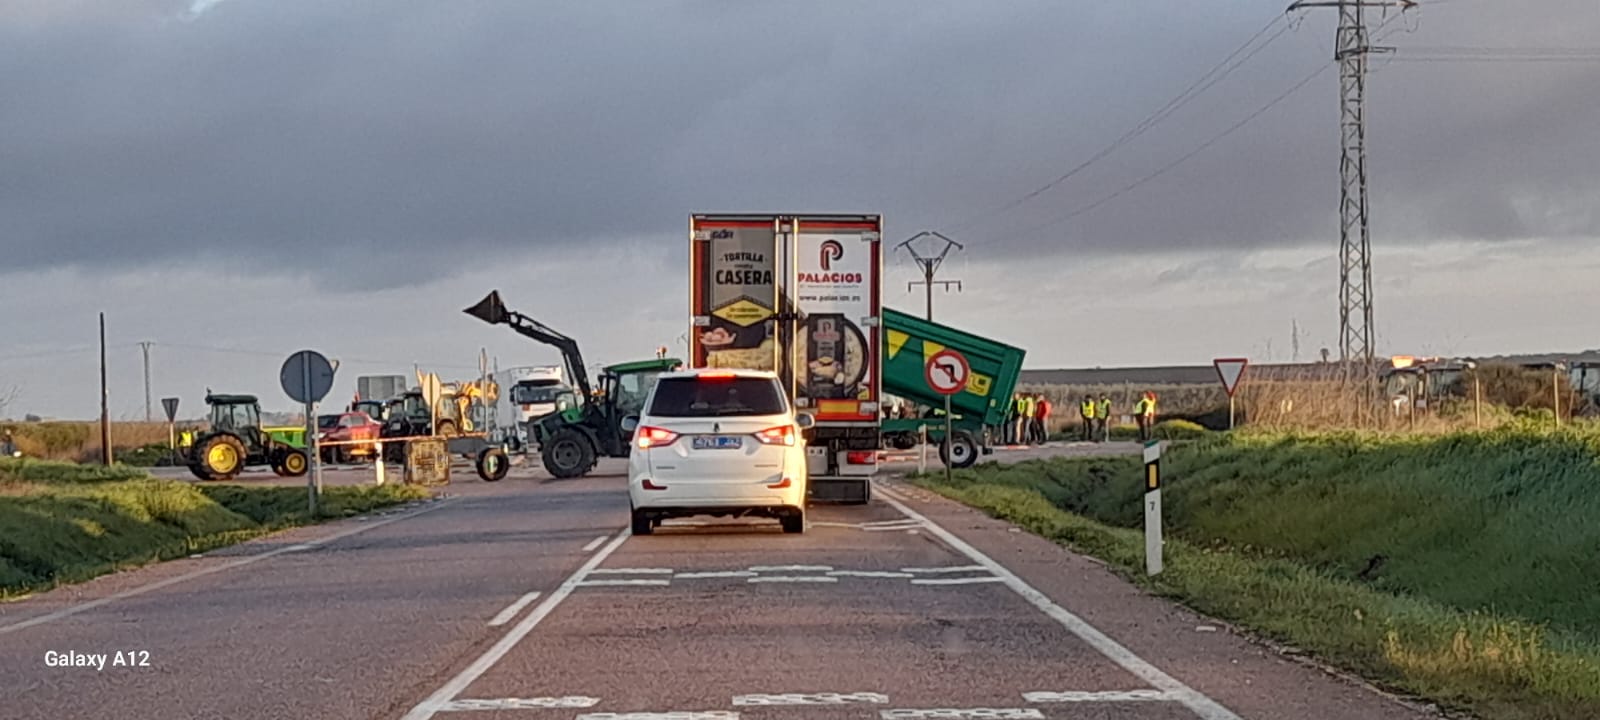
x=1464, y=642
x=63, y=523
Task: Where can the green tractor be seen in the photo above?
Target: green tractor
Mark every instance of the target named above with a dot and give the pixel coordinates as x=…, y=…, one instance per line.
x=235, y=440
x=587, y=424
x=573, y=439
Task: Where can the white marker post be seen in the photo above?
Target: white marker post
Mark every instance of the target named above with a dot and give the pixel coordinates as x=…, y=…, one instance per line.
x=1230, y=371
x=1152, y=507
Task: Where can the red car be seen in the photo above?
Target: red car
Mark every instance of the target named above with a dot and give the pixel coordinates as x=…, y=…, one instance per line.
x=345, y=427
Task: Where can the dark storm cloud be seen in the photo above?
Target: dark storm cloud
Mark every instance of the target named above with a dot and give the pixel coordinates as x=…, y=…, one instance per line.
x=407, y=137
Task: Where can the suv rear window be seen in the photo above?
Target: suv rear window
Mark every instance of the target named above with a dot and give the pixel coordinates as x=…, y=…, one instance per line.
x=693, y=397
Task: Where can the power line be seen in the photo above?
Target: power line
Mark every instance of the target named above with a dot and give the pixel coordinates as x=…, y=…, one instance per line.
x=1194, y=90
x=1181, y=160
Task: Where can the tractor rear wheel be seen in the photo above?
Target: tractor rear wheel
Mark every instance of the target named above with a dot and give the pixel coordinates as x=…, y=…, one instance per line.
x=219, y=457
x=447, y=428
x=568, y=454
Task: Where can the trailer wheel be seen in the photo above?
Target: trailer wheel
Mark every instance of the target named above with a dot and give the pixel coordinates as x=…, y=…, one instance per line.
x=294, y=463
x=492, y=464
x=963, y=450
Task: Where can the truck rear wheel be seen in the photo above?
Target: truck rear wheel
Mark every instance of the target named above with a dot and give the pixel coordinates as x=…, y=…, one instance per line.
x=962, y=452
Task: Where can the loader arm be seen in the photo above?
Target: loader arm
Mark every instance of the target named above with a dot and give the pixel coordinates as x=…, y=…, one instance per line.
x=494, y=312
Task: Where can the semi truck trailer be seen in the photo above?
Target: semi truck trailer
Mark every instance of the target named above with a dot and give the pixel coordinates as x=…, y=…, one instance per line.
x=799, y=295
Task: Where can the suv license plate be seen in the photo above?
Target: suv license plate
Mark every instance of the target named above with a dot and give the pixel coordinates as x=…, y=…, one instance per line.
x=718, y=442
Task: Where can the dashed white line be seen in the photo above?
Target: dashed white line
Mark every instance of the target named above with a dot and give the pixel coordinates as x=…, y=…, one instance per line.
x=595, y=543
x=441, y=697
x=957, y=581
x=791, y=568
x=521, y=703
x=512, y=609
x=715, y=574
x=241, y=562
x=631, y=571
x=869, y=574
x=944, y=569
x=812, y=699
x=964, y=714
x=676, y=715
x=297, y=548
x=619, y=583
x=792, y=579
x=1190, y=698
x=1110, y=696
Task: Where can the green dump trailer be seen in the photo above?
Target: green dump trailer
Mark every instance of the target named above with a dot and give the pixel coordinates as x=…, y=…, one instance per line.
x=978, y=412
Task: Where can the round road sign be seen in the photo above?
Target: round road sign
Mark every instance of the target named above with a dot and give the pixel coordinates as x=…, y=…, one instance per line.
x=302, y=386
x=947, y=372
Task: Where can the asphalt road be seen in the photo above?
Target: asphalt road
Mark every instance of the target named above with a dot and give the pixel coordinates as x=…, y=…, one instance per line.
x=528, y=599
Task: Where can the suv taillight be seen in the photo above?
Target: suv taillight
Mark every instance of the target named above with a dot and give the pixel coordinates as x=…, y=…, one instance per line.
x=781, y=435
x=649, y=437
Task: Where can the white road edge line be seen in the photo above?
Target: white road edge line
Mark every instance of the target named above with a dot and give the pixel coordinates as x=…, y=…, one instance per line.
x=448, y=692
x=792, y=699
x=790, y=568
x=512, y=609
x=952, y=713
x=674, y=715
x=1198, y=703
x=595, y=543
x=631, y=571
x=714, y=574
x=869, y=574
x=241, y=562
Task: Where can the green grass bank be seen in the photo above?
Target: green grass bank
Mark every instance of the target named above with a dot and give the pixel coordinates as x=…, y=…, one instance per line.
x=1461, y=568
x=64, y=523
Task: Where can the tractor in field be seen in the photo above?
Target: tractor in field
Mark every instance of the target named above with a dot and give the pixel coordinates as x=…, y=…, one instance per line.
x=236, y=440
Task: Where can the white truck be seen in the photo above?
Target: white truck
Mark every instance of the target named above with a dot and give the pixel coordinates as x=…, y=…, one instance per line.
x=526, y=393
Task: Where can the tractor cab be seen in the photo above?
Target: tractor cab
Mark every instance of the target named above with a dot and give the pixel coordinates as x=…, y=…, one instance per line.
x=373, y=408
x=235, y=440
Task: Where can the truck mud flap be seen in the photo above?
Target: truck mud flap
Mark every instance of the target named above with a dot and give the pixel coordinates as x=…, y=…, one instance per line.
x=844, y=490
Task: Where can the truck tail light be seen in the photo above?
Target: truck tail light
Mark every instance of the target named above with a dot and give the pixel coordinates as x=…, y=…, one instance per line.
x=649, y=437
x=861, y=457
x=717, y=375
x=647, y=485
x=780, y=435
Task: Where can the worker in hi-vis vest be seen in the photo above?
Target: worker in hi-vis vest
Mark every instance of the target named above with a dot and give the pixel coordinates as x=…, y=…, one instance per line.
x=1102, y=415
x=1086, y=413
x=1145, y=413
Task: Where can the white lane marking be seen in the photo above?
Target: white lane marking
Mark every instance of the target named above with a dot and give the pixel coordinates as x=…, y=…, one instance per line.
x=964, y=714
x=892, y=528
x=945, y=569
x=617, y=583
x=957, y=581
x=676, y=715
x=1192, y=699
x=632, y=571
x=790, y=568
x=881, y=523
x=595, y=543
x=241, y=562
x=869, y=574
x=512, y=609
x=811, y=699
x=715, y=574
x=441, y=697
x=793, y=578
x=575, y=701
x=297, y=548
x=1111, y=696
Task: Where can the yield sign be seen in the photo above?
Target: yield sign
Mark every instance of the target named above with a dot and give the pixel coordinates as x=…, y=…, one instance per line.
x=947, y=372
x=1230, y=370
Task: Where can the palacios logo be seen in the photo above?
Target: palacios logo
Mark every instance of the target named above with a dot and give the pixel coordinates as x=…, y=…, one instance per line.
x=831, y=250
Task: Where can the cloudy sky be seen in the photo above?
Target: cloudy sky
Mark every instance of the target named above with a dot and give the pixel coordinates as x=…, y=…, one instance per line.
x=234, y=180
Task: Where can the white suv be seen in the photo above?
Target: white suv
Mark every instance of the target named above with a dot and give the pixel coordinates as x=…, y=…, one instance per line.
x=719, y=443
